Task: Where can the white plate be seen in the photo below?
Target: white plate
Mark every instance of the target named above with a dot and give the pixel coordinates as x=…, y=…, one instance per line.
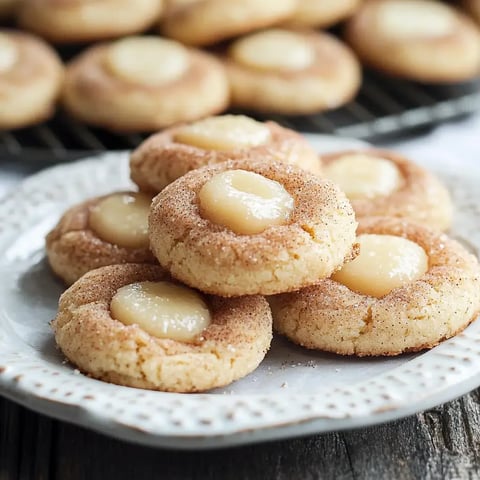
x=293, y=392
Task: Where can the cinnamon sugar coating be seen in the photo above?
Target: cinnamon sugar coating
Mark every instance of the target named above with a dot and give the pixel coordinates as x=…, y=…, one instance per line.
x=73, y=248
x=96, y=96
x=331, y=81
x=30, y=88
x=160, y=159
x=312, y=245
x=419, y=315
x=229, y=348
x=421, y=197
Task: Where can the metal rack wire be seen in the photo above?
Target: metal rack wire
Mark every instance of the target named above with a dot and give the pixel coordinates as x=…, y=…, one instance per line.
x=384, y=107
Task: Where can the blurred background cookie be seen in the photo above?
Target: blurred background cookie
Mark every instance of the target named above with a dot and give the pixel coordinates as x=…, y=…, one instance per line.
x=168, y=155
x=70, y=21
x=422, y=40
x=31, y=74
x=321, y=13
x=8, y=7
x=291, y=72
x=473, y=7
x=205, y=22
x=143, y=84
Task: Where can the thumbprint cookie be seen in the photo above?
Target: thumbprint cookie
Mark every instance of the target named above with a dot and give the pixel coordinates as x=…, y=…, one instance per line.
x=133, y=326
x=101, y=231
x=167, y=155
x=409, y=289
x=291, y=72
x=143, y=84
x=243, y=227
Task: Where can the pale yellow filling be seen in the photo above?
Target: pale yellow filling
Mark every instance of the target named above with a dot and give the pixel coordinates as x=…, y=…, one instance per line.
x=8, y=53
x=385, y=262
x=275, y=50
x=245, y=202
x=226, y=132
x=162, y=309
x=363, y=176
x=416, y=18
x=122, y=219
x=147, y=60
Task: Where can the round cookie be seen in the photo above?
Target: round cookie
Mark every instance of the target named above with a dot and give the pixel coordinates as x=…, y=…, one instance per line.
x=144, y=84
x=384, y=183
x=321, y=13
x=243, y=227
x=473, y=7
x=230, y=347
x=30, y=79
x=291, y=73
x=70, y=21
x=421, y=40
x=423, y=312
x=205, y=22
x=168, y=155
x=80, y=242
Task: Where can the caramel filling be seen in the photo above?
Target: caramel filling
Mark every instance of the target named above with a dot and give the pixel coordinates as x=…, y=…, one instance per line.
x=150, y=61
x=122, y=219
x=276, y=50
x=162, y=309
x=385, y=262
x=227, y=132
x=362, y=176
x=8, y=53
x=416, y=18
x=245, y=202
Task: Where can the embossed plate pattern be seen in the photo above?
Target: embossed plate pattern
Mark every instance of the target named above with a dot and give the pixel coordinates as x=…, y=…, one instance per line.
x=293, y=392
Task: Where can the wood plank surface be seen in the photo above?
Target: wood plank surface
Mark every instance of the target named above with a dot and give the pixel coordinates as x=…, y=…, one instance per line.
x=443, y=443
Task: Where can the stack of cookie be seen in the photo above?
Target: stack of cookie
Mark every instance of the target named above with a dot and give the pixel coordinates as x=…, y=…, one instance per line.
x=265, y=56
x=231, y=210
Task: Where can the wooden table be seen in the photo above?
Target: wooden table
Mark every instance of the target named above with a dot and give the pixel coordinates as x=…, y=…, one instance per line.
x=443, y=443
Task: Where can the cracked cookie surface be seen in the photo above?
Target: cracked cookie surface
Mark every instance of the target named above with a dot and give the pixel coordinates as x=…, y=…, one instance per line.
x=232, y=345
x=442, y=302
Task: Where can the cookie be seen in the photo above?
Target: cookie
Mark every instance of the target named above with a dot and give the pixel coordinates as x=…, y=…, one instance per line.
x=30, y=80
x=409, y=289
x=421, y=40
x=70, y=21
x=206, y=22
x=321, y=13
x=167, y=155
x=101, y=231
x=102, y=326
x=8, y=8
x=384, y=183
x=243, y=227
x=291, y=73
x=144, y=84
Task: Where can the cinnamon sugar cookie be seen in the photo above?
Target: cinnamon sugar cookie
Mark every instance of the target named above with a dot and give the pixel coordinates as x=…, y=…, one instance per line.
x=422, y=40
x=321, y=13
x=130, y=325
x=409, y=289
x=100, y=231
x=144, y=83
x=30, y=79
x=69, y=21
x=291, y=72
x=205, y=22
x=384, y=183
x=243, y=227
x=167, y=155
